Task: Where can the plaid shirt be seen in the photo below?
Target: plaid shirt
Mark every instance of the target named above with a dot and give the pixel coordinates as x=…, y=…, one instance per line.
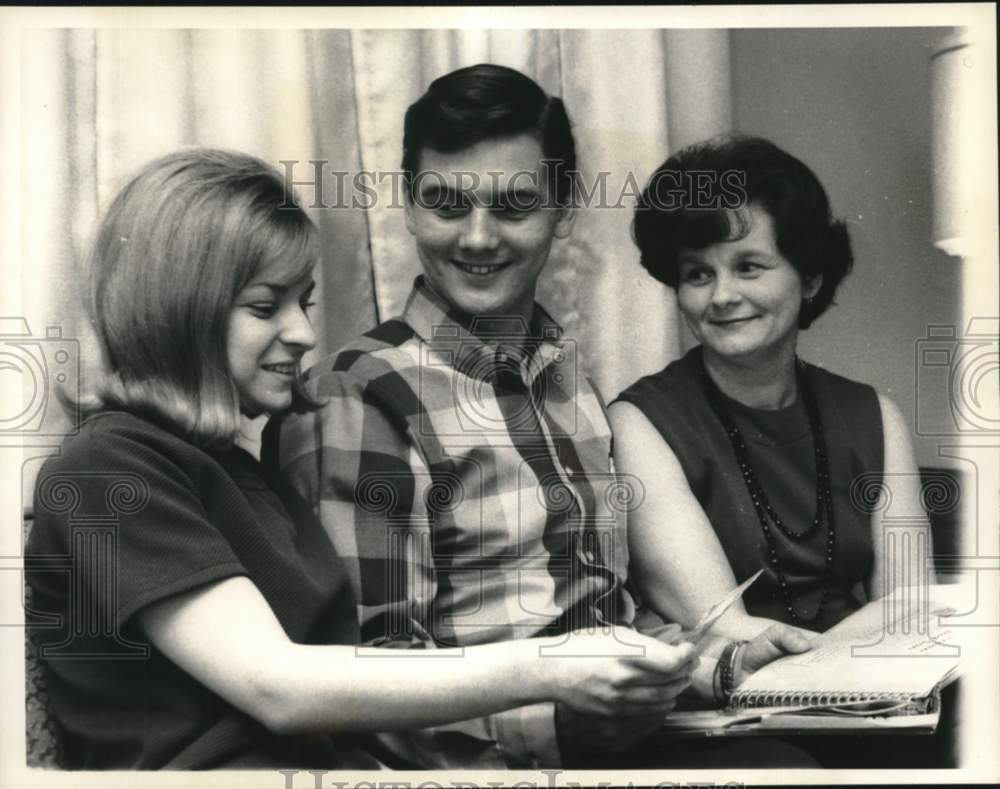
x=463, y=473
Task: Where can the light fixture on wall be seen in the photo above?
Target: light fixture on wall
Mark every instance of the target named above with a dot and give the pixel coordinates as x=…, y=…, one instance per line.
x=963, y=153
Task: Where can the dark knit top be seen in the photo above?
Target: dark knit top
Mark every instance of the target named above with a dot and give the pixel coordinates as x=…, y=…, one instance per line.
x=128, y=515
x=781, y=450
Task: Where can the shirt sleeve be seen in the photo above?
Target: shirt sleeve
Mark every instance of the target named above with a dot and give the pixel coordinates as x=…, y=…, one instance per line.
x=354, y=460
x=132, y=522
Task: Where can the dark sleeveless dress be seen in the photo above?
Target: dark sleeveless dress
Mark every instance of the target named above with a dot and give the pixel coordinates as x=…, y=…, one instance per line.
x=781, y=451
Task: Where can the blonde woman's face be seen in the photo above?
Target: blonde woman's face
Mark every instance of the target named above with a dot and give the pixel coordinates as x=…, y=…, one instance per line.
x=269, y=331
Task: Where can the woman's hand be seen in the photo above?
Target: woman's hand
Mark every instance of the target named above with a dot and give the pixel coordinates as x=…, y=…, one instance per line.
x=616, y=673
x=614, y=689
x=775, y=642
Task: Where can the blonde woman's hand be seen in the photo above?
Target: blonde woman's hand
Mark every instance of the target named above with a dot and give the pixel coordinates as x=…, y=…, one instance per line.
x=615, y=672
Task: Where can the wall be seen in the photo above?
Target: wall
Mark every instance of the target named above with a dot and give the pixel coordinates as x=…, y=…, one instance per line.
x=854, y=105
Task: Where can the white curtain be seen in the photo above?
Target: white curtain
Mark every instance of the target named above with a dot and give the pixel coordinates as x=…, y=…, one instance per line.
x=97, y=104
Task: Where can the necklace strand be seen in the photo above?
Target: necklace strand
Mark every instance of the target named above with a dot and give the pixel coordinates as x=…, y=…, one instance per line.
x=762, y=505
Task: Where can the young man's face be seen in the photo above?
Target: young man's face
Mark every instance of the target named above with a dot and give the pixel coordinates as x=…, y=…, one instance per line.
x=484, y=221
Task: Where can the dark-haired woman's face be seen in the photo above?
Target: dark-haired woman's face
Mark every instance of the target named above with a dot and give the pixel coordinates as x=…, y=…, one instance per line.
x=742, y=298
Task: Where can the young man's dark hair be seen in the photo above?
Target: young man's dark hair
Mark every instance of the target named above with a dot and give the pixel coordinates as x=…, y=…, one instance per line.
x=484, y=102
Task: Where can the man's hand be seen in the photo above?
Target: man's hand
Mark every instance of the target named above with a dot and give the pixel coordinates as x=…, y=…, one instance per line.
x=775, y=642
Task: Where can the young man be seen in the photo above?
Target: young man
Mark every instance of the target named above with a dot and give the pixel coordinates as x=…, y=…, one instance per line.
x=462, y=463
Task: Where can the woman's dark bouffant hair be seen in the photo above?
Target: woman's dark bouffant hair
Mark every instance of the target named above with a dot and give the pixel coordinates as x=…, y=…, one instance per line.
x=485, y=102
x=694, y=200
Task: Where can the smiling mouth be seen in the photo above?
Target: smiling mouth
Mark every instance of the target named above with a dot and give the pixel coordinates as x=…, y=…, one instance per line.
x=283, y=368
x=480, y=269
x=733, y=321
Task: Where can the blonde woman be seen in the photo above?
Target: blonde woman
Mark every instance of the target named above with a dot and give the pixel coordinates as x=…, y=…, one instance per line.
x=229, y=623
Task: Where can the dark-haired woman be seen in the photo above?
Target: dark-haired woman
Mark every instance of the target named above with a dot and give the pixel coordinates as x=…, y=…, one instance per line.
x=751, y=451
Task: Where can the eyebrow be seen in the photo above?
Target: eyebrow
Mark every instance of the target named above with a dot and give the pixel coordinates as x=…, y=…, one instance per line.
x=435, y=193
x=436, y=190
x=522, y=194
x=695, y=257
x=280, y=288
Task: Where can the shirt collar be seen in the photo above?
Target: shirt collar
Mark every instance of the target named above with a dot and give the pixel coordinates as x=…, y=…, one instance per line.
x=483, y=347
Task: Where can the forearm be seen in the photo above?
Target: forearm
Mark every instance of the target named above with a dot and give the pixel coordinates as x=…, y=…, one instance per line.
x=330, y=688
x=247, y=659
x=741, y=626
x=735, y=624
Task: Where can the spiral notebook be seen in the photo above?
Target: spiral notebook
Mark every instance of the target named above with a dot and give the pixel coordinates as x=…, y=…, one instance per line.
x=893, y=654
x=882, y=668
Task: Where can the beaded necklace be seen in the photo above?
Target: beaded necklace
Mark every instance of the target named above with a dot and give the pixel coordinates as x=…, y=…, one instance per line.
x=762, y=505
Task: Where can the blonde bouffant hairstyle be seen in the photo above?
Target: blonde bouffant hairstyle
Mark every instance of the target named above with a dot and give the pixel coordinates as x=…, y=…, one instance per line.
x=175, y=248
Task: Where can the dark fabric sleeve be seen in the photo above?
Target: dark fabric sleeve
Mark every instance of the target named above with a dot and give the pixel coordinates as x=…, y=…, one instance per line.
x=125, y=510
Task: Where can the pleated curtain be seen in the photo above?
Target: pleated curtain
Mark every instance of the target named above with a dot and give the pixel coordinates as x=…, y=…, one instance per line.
x=97, y=104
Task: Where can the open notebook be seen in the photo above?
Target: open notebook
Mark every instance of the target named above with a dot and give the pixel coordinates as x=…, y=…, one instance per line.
x=894, y=649
x=880, y=668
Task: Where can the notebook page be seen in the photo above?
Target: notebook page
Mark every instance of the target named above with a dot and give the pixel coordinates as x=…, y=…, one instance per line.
x=888, y=646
